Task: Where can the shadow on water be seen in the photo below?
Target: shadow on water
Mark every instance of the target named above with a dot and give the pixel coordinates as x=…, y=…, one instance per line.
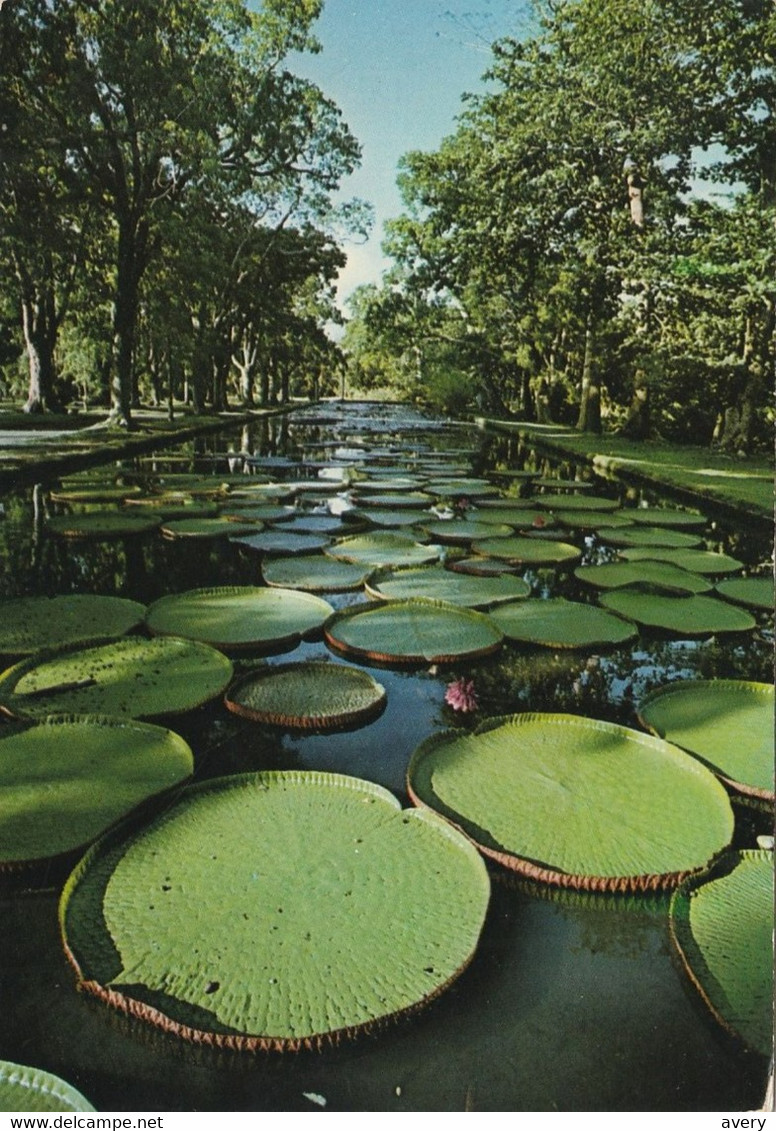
x=570, y=1003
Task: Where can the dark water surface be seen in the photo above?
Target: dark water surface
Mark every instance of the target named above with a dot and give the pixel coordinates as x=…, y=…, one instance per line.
x=570, y=1004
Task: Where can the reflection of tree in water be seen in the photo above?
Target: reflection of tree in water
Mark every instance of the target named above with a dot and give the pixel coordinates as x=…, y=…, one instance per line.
x=609, y=686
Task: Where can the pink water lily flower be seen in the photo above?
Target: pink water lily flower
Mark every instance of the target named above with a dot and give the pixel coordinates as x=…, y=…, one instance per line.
x=461, y=696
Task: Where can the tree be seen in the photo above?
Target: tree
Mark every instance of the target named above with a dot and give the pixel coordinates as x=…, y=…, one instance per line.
x=154, y=100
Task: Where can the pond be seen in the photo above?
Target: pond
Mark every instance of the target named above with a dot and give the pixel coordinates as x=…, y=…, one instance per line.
x=572, y=1002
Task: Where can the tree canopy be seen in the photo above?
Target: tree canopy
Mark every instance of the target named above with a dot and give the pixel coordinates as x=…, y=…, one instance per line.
x=165, y=194
x=599, y=233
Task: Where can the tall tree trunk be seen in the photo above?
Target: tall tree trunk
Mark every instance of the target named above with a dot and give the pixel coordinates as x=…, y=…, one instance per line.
x=124, y=325
x=40, y=339
x=589, y=419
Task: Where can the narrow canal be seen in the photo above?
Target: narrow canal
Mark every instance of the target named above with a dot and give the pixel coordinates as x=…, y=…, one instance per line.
x=573, y=1002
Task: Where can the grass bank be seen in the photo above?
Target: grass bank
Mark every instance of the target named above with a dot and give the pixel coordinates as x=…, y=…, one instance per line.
x=694, y=474
x=63, y=445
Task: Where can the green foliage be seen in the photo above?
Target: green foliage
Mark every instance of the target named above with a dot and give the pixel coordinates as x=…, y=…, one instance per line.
x=557, y=245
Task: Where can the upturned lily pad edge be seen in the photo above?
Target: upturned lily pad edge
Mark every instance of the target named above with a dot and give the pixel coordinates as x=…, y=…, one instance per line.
x=683, y=942
x=532, y=869
x=113, y=838
x=328, y=722
x=743, y=791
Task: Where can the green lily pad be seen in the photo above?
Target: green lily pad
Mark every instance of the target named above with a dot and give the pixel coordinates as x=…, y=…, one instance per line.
x=28, y=624
x=282, y=542
x=172, y=507
x=31, y=1089
x=722, y=928
x=412, y=632
x=102, y=525
x=382, y=549
x=528, y=551
x=235, y=617
x=665, y=516
x=444, y=585
x=254, y=494
x=461, y=532
x=97, y=493
x=462, y=486
x=376, y=485
x=694, y=561
x=507, y=502
x=314, y=573
x=601, y=521
x=131, y=677
x=309, y=696
x=390, y=517
x=481, y=567
x=304, y=949
x=66, y=780
x=245, y=510
x=579, y=503
x=754, y=592
x=316, y=524
x=729, y=723
x=651, y=536
x=384, y=500
x=576, y=802
x=656, y=575
x=558, y=623
x=533, y=521
x=693, y=615
x=207, y=528
x=551, y=483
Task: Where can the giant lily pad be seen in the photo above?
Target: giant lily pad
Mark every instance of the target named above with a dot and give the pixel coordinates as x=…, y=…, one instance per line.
x=558, y=623
x=729, y=723
x=99, y=492
x=23, y=1088
x=102, y=525
x=131, y=677
x=528, y=551
x=695, y=561
x=656, y=575
x=382, y=549
x=462, y=531
x=314, y=573
x=579, y=503
x=754, y=592
x=282, y=542
x=28, y=624
x=576, y=802
x=65, y=780
x=695, y=615
x=384, y=500
x=722, y=928
x=444, y=585
x=651, y=536
x=239, y=616
x=391, y=517
x=172, y=507
x=600, y=521
x=665, y=516
x=282, y=940
x=412, y=632
x=310, y=696
x=207, y=528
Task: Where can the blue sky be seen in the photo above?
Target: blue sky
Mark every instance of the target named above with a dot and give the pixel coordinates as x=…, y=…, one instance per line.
x=397, y=69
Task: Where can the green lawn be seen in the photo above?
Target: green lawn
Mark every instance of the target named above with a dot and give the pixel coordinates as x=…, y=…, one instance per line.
x=744, y=483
